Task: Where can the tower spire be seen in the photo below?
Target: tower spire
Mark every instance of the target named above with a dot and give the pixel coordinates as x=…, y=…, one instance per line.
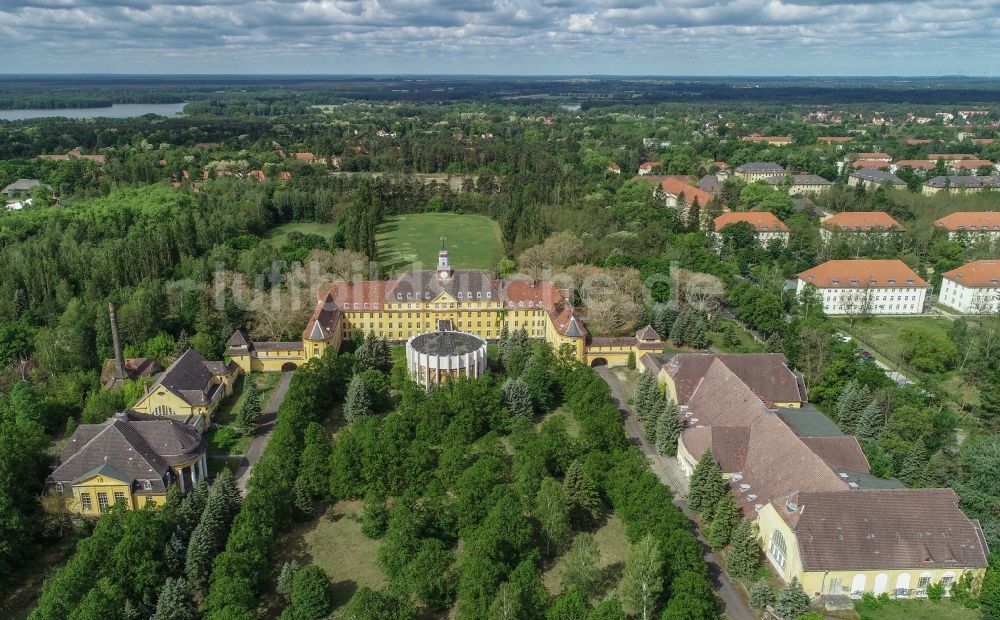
x=444, y=270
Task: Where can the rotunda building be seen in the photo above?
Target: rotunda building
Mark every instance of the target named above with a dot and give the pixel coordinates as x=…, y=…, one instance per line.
x=434, y=357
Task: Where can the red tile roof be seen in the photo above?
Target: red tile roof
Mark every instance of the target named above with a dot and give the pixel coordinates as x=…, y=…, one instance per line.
x=675, y=186
x=836, y=138
x=917, y=164
x=972, y=164
x=862, y=273
x=870, y=163
x=950, y=156
x=762, y=221
x=861, y=221
x=984, y=273
x=970, y=221
x=873, y=156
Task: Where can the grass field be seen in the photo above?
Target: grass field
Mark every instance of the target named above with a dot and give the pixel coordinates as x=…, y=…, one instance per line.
x=572, y=425
x=747, y=343
x=349, y=558
x=614, y=547
x=916, y=609
x=278, y=235
x=473, y=241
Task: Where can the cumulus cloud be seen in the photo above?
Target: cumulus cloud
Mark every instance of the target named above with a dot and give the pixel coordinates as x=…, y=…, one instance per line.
x=700, y=37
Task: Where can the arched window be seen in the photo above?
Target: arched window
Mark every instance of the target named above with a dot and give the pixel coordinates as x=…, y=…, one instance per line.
x=776, y=550
x=163, y=410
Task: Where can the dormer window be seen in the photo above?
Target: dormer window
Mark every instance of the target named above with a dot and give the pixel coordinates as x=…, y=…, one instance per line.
x=891, y=280
x=59, y=487
x=460, y=295
x=399, y=296
x=347, y=306
x=147, y=485
x=409, y=295
x=854, y=280
x=909, y=280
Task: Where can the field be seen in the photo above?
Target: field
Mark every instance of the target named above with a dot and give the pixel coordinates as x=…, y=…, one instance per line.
x=614, y=547
x=747, y=343
x=916, y=610
x=882, y=336
x=278, y=235
x=337, y=546
x=473, y=241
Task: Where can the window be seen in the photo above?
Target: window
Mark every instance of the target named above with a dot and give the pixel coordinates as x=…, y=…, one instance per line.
x=150, y=501
x=59, y=487
x=147, y=485
x=947, y=580
x=776, y=551
x=163, y=410
x=923, y=582
x=102, y=501
x=85, y=501
x=119, y=497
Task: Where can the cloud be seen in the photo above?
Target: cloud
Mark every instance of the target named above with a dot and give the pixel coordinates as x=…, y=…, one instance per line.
x=695, y=37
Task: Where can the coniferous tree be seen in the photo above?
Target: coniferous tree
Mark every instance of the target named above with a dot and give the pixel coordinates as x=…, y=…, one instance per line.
x=914, y=464
x=581, y=494
x=761, y=595
x=283, y=586
x=725, y=518
x=515, y=396
x=870, y=423
x=537, y=380
x=792, y=601
x=358, y=401
x=646, y=400
x=310, y=598
x=175, y=553
x=743, y=558
x=209, y=537
x=176, y=601
x=706, y=486
x=988, y=411
x=191, y=507
x=669, y=427
x=250, y=409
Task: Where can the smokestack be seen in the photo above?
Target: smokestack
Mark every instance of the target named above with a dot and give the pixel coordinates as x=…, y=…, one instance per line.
x=117, y=341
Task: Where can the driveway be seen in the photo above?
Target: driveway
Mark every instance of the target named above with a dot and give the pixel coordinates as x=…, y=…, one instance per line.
x=670, y=474
x=263, y=433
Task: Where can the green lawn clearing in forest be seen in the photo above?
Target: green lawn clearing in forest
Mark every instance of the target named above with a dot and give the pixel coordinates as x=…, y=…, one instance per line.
x=473, y=241
x=278, y=235
x=562, y=411
x=916, y=609
x=745, y=342
x=614, y=546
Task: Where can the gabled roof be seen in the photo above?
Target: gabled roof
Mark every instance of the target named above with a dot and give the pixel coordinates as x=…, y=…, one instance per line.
x=762, y=221
x=877, y=176
x=885, y=529
x=970, y=221
x=950, y=156
x=862, y=273
x=647, y=333
x=765, y=374
x=757, y=167
x=800, y=179
x=675, y=186
x=916, y=164
x=980, y=273
x=861, y=221
x=135, y=367
x=870, y=163
x=190, y=377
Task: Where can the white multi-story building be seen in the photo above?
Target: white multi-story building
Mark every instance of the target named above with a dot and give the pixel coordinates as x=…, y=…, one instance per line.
x=973, y=288
x=859, y=287
x=971, y=224
x=766, y=225
x=759, y=170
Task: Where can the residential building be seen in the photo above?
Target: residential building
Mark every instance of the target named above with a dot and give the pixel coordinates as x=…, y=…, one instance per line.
x=860, y=287
x=766, y=225
x=800, y=183
x=971, y=165
x=134, y=368
x=20, y=186
x=131, y=459
x=950, y=156
x=960, y=184
x=872, y=164
x=648, y=167
x=835, y=139
x=680, y=194
x=859, y=222
x=766, y=375
x=878, y=156
x=823, y=518
x=190, y=389
x=758, y=171
x=614, y=168
x=922, y=165
x=973, y=288
x=772, y=140
x=308, y=158
x=74, y=154
x=970, y=225
x=872, y=178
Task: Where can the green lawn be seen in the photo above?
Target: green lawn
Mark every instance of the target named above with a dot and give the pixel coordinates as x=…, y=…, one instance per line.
x=614, y=547
x=278, y=235
x=747, y=343
x=473, y=241
x=572, y=425
x=349, y=558
x=916, y=609
x=222, y=437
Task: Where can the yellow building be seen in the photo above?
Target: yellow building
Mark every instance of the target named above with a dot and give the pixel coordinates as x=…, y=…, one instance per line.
x=823, y=517
x=445, y=299
x=131, y=459
x=894, y=541
x=190, y=389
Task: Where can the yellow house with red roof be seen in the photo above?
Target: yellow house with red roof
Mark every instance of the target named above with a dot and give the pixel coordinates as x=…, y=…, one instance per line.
x=444, y=299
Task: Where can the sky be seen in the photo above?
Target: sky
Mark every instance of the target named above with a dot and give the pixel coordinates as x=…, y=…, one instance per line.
x=502, y=37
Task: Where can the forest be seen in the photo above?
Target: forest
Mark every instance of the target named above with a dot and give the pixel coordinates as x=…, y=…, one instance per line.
x=471, y=491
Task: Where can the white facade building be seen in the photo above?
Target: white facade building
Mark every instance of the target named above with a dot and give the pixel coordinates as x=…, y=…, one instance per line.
x=973, y=288
x=859, y=287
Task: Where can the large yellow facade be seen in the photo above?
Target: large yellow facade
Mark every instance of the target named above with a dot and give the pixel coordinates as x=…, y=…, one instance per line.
x=846, y=582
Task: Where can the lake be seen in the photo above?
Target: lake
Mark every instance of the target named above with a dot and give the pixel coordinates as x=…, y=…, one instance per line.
x=117, y=110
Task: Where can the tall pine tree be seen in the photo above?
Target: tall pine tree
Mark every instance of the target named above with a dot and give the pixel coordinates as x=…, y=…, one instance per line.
x=706, y=487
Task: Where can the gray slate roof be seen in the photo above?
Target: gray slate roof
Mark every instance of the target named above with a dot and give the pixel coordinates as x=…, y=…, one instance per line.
x=799, y=179
x=964, y=181
x=130, y=446
x=426, y=285
x=190, y=378
x=21, y=185
x=446, y=343
x=761, y=166
x=877, y=176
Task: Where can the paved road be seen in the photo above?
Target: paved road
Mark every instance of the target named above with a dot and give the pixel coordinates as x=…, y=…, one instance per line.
x=263, y=434
x=669, y=474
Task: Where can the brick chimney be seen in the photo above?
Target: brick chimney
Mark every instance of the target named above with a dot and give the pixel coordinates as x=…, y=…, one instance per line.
x=117, y=342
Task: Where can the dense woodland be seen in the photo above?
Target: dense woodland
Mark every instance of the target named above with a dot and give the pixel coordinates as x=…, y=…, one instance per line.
x=453, y=482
